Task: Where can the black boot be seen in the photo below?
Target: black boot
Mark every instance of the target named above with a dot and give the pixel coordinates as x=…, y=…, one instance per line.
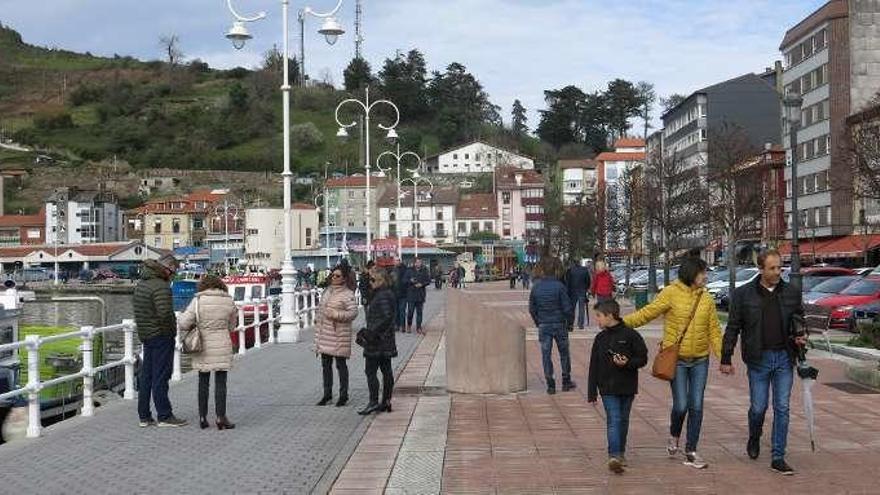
x=371, y=408
x=343, y=400
x=753, y=448
x=568, y=385
x=551, y=386
x=325, y=400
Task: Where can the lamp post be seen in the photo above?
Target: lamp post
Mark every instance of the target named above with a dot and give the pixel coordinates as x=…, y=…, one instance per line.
x=326, y=211
x=398, y=157
x=415, y=181
x=226, y=208
x=58, y=230
x=238, y=34
x=367, y=107
x=793, y=103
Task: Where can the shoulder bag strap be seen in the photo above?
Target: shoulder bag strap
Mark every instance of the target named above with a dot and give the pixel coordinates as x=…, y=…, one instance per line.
x=691, y=317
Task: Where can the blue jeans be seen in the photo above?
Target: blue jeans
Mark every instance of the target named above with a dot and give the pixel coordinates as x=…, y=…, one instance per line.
x=775, y=369
x=547, y=333
x=687, y=400
x=417, y=308
x=617, y=409
x=580, y=307
x=154, y=375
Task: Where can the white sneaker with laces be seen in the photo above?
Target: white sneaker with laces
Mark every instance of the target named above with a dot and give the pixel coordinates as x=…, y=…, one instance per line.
x=672, y=447
x=695, y=461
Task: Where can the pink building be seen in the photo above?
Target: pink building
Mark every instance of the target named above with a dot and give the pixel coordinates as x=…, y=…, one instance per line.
x=520, y=197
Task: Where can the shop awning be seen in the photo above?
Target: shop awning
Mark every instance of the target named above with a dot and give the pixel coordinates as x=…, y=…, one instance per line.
x=851, y=246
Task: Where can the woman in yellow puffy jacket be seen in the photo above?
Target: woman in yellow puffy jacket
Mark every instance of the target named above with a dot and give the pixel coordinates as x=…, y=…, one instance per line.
x=676, y=303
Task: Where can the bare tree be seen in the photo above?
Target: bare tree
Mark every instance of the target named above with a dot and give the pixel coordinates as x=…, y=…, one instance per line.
x=865, y=159
x=737, y=200
x=677, y=201
x=577, y=231
x=626, y=214
x=170, y=44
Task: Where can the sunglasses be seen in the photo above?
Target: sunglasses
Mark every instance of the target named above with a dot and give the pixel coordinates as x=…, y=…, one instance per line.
x=336, y=275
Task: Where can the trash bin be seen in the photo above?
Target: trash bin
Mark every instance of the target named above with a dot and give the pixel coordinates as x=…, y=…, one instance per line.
x=640, y=298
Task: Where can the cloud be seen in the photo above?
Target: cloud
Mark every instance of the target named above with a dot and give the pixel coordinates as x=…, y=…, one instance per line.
x=517, y=48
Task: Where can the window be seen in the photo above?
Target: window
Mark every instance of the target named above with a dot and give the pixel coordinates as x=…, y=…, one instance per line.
x=439, y=231
x=198, y=223
x=467, y=156
x=33, y=233
x=824, y=216
x=157, y=226
x=157, y=242
x=476, y=157
x=533, y=193
x=505, y=212
x=534, y=209
x=788, y=188
x=810, y=184
x=392, y=230
x=175, y=243
x=506, y=230
x=253, y=232
x=611, y=173
x=505, y=197
x=256, y=292
x=488, y=227
x=703, y=135
x=175, y=226
x=822, y=181
x=475, y=226
x=308, y=236
x=462, y=227
x=821, y=146
x=455, y=156
x=439, y=214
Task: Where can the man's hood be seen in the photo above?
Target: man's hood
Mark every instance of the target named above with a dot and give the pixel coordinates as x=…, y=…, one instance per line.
x=152, y=270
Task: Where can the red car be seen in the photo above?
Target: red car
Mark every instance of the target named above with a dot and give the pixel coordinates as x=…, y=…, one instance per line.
x=839, y=308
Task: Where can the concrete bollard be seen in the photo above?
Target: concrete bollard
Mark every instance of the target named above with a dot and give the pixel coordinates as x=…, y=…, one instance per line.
x=485, y=350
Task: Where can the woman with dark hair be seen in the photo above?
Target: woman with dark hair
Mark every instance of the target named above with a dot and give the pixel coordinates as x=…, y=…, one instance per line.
x=213, y=312
x=691, y=319
x=379, y=342
x=336, y=312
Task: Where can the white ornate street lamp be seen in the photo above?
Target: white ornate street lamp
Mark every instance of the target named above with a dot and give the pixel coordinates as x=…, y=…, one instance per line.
x=398, y=157
x=226, y=210
x=367, y=107
x=239, y=35
x=415, y=180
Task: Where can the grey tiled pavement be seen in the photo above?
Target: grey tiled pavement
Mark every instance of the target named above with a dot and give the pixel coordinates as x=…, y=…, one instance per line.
x=282, y=442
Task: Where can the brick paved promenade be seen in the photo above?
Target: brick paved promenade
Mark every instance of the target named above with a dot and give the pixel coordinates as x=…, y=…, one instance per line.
x=283, y=443
x=535, y=443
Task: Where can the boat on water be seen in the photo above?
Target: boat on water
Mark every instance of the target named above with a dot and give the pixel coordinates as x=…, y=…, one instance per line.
x=246, y=289
x=185, y=284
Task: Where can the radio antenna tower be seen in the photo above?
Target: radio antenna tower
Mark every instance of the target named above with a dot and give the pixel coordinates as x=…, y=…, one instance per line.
x=358, y=22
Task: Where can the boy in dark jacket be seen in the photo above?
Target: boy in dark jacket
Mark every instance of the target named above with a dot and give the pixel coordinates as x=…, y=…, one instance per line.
x=618, y=353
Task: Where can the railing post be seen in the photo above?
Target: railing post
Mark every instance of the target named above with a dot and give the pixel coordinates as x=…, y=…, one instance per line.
x=313, y=305
x=33, y=385
x=242, y=333
x=273, y=339
x=297, y=307
x=176, y=374
x=129, y=359
x=258, y=328
x=88, y=407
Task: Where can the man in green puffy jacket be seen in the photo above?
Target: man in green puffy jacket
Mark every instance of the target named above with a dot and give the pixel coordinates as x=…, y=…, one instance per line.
x=157, y=328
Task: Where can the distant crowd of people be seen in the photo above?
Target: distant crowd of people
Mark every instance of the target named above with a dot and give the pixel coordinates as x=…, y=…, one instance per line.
x=765, y=321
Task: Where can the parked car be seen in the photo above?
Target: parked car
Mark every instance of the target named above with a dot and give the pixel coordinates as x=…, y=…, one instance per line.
x=830, y=287
x=814, y=275
x=838, y=310
x=719, y=288
x=866, y=313
x=864, y=270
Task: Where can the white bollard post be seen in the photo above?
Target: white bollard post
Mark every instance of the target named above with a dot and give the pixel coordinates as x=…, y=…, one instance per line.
x=33, y=351
x=297, y=307
x=258, y=328
x=241, y=331
x=313, y=306
x=88, y=407
x=176, y=374
x=129, y=359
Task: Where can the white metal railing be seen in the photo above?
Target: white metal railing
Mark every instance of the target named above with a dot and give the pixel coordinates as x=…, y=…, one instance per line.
x=306, y=306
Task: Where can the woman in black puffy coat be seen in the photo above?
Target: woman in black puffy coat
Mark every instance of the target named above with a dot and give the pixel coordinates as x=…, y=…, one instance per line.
x=379, y=342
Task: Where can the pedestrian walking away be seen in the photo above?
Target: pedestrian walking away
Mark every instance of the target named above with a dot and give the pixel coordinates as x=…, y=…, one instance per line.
x=763, y=318
x=577, y=280
x=378, y=341
x=617, y=355
x=336, y=312
x=461, y=276
x=512, y=275
x=526, y=278
x=157, y=328
x=364, y=286
x=550, y=307
x=418, y=279
x=602, y=286
x=213, y=314
x=689, y=317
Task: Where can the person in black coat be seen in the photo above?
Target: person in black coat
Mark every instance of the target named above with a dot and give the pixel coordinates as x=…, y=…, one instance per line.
x=618, y=353
x=379, y=342
x=577, y=279
x=417, y=279
x=400, y=285
x=364, y=285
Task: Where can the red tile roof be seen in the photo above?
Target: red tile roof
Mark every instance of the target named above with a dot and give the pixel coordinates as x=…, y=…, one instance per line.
x=353, y=181
x=38, y=220
x=577, y=163
x=629, y=142
x=505, y=177
x=208, y=196
x=477, y=205
x=613, y=156
x=106, y=249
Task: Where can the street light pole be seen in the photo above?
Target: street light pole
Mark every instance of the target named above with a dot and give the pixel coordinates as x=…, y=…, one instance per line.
x=398, y=156
x=367, y=107
x=415, y=180
x=793, y=105
x=288, y=331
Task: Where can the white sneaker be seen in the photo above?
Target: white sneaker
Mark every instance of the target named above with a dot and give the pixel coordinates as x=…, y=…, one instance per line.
x=695, y=461
x=672, y=447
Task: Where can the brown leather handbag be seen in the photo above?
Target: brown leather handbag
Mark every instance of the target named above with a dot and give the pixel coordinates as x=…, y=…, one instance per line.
x=666, y=360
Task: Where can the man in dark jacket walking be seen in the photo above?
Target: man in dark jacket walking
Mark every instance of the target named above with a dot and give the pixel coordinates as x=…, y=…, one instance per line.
x=400, y=286
x=550, y=308
x=764, y=313
x=157, y=328
x=417, y=279
x=577, y=281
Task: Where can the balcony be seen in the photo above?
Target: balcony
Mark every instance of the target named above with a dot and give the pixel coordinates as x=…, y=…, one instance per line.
x=534, y=217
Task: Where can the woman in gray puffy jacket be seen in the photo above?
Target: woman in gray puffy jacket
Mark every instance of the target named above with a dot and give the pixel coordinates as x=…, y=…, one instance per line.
x=214, y=313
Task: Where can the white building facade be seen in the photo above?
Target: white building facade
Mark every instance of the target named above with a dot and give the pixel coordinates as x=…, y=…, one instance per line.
x=264, y=234
x=476, y=157
x=82, y=217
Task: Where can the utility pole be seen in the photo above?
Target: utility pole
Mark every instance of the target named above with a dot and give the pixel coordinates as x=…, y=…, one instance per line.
x=358, y=33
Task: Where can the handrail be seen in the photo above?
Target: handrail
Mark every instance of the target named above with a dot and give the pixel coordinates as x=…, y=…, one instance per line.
x=262, y=312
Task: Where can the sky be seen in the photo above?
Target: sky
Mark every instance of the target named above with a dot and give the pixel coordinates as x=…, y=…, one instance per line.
x=516, y=48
